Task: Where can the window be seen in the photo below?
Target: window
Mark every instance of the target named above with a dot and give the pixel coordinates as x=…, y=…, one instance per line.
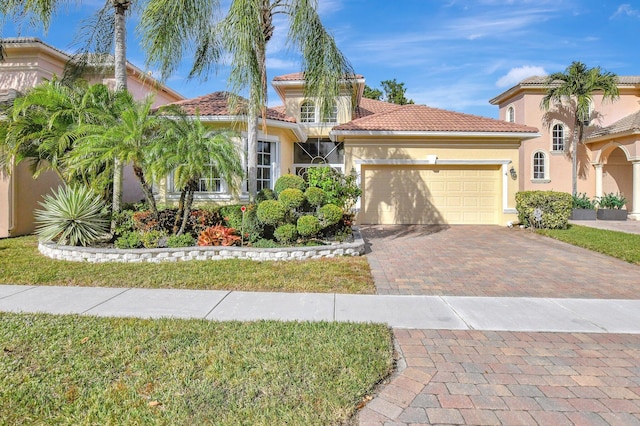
x=333, y=115
x=211, y=181
x=539, y=165
x=319, y=152
x=264, y=171
x=557, y=138
x=511, y=115
x=307, y=112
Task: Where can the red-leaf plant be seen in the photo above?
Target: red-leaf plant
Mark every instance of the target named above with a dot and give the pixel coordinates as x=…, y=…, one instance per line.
x=218, y=236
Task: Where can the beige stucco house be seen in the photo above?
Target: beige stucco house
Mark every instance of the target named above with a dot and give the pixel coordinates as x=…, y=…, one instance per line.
x=609, y=161
x=415, y=164
x=28, y=62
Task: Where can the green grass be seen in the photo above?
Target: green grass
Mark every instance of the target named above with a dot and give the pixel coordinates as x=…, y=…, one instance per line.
x=616, y=244
x=21, y=263
x=84, y=370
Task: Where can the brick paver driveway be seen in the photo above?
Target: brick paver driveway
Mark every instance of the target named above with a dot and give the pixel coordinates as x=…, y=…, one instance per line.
x=485, y=377
x=491, y=261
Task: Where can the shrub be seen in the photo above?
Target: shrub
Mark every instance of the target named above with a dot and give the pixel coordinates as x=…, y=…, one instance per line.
x=286, y=234
x=265, y=194
x=581, y=201
x=555, y=208
x=72, y=215
x=271, y=212
x=265, y=243
x=129, y=240
x=218, y=236
x=153, y=239
x=143, y=221
x=315, y=196
x=201, y=219
x=251, y=227
x=291, y=198
x=289, y=181
x=123, y=221
x=340, y=189
x=308, y=226
x=184, y=240
x=330, y=214
x=612, y=201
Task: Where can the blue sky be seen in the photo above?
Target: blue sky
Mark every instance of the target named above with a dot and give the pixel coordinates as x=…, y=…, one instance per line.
x=452, y=54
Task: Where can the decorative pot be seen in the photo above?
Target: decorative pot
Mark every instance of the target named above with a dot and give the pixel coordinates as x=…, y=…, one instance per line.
x=612, y=214
x=583, y=214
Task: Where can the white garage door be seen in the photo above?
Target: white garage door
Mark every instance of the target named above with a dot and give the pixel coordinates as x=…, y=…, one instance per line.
x=430, y=195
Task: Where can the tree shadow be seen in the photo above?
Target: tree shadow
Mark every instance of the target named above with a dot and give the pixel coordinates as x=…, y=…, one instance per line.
x=374, y=232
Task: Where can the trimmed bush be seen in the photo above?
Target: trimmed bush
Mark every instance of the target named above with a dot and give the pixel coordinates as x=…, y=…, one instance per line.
x=289, y=181
x=265, y=194
x=73, y=216
x=555, y=208
x=271, y=212
x=152, y=239
x=184, y=240
x=308, y=226
x=340, y=189
x=330, y=214
x=286, y=234
x=129, y=240
x=315, y=196
x=291, y=198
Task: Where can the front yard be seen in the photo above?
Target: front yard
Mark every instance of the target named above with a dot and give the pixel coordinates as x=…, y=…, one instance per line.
x=84, y=370
x=21, y=263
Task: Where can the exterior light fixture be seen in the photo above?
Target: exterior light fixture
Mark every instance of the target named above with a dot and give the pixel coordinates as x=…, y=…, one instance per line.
x=513, y=173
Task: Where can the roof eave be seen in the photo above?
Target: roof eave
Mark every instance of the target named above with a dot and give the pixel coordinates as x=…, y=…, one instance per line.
x=334, y=134
x=609, y=136
x=294, y=127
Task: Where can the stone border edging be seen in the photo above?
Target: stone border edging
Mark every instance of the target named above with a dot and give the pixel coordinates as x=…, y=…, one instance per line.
x=157, y=255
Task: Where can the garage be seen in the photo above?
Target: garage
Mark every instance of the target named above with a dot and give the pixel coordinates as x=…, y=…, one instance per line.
x=434, y=194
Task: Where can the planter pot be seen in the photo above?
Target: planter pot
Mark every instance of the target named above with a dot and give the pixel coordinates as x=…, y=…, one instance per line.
x=612, y=214
x=583, y=214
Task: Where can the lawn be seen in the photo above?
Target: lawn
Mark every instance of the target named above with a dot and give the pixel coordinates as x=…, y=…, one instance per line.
x=84, y=370
x=21, y=263
x=616, y=244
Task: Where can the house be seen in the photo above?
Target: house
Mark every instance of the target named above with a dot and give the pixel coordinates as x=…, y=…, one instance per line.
x=28, y=62
x=415, y=164
x=609, y=160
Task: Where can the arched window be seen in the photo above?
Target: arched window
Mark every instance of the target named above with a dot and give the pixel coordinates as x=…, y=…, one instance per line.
x=557, y=138
x=539, y=165
x=307, y=112
x=511, y=115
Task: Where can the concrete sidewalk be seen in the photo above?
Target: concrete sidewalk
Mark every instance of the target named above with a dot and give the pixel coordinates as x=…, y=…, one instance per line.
x=409, y=312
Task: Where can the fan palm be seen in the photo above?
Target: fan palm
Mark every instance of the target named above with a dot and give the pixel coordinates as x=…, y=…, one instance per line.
x=575, y=88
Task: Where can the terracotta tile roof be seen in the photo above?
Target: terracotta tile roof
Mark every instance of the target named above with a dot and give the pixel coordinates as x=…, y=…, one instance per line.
x=541, y=80
x=628, y=124
x=371, y=106
x=420, y=118
x=217, y=103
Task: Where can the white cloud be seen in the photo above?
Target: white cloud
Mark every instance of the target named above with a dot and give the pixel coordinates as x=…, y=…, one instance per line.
x=327, y=7
x=516, y=75
x=626, y=10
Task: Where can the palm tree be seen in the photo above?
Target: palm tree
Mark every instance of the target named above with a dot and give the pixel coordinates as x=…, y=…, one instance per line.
x=169, y=28
x=127, y=140
x=575, y=88
x=191, y=151
x=42, y=127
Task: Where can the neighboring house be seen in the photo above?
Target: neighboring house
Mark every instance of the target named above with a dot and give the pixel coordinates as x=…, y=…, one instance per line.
x=415, y=164
x=609, y=160
x=28, y=62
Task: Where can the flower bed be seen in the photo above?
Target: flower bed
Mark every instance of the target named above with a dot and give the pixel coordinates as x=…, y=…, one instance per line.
x=98, y=255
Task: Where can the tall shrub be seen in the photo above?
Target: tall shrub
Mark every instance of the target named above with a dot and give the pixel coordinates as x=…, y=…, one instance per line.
x=555, y=208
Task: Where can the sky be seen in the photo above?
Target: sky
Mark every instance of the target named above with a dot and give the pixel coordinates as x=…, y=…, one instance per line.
x=451, y=54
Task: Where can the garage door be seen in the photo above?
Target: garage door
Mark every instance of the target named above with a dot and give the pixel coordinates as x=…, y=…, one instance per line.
x=430, y=195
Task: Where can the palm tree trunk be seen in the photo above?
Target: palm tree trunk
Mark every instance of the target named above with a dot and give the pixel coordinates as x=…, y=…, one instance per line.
x=179, y=214
x=252, y=152
x=191, y=187
x=120, y=71
x=146, y=190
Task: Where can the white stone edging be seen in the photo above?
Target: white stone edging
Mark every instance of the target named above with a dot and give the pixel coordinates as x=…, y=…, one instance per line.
x=157, y=255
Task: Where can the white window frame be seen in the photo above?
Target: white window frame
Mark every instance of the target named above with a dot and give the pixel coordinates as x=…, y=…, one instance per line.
x=510, y=114
x=545, y=165
x=308, y=111
x=338, y=166
x=563, y=129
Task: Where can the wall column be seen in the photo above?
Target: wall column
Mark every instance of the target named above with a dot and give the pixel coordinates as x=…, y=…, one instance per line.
x=635, y=208
x=598, y=167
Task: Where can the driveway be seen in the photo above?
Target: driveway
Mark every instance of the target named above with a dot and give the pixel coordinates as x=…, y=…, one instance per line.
x=488, y=377
x=493, y=261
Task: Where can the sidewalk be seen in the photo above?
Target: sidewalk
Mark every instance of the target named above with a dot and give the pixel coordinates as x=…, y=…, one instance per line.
x=407, y=312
